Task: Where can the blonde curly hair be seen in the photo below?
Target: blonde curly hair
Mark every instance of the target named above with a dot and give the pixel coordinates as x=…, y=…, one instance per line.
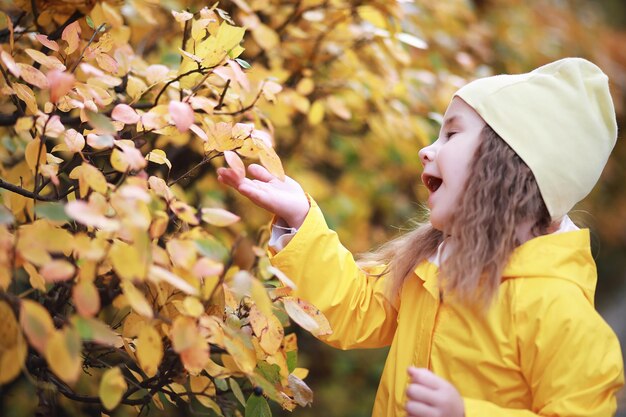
x=500, y=195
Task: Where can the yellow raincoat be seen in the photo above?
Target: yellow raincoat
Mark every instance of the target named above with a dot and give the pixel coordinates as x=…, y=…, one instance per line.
x=540, y=350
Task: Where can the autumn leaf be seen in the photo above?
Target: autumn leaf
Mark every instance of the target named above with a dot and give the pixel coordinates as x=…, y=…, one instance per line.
x=71, y=35
x=36, y=324
x=136, y=299
x=149, y=350
x=112, y=388
x=13, y=348
x=301, y=392
x=86, y=298
x=182, y=115
x=125, y=113
x=234, y=161
x=218, y=216
x=57, y=270
x=307, y=316
x=62, y=353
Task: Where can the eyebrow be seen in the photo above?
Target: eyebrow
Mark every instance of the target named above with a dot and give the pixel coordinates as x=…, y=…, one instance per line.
x=452, y=120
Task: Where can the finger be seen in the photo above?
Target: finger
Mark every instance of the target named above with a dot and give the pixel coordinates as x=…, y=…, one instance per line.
x=260, y=173
x=422, y=394
x=425, y=377
x=417, y=409
x=229, y=177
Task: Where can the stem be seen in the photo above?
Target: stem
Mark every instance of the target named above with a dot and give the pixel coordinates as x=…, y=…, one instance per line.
x=223, y=95
x=80, y=58
x=156, y=101
x=243, y=109
x=21, y=191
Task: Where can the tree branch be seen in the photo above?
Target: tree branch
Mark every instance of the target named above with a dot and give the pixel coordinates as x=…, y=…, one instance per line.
x=21, y=191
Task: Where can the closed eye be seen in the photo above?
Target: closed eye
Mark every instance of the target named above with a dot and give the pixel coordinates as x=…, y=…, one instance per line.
x=450, y=134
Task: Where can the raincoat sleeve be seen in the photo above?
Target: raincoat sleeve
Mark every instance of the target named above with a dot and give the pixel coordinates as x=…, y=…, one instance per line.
x=569, y=356
x=326, y=275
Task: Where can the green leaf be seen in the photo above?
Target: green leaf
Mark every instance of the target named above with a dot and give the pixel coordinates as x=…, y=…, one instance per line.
x=221, y=384
x=90, y=23
x=269, y=372
x=6, y=217
x=100, y=122
x=292, y=360
x=234, y=386
x=244, y=64
x=257, y=407
x=52, y=211
x=211, y=248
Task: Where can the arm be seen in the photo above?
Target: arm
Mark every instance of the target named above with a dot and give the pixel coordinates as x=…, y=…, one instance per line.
x=359, y=312
x=325, y=272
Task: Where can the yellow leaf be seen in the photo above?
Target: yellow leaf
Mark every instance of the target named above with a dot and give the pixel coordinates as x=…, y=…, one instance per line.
x=149, y=350
x=270, y=160
x=229, y=36
x=204, y=386
x=182, y=253
x=316, y=113
x=63, y=354
x=219, y=217
x=136, y=299
x=126, y=261
x=300, y=373
x=35, y=153
x=89, y=177
x=184, y=212
x=243, y=355
x=193, y=307
x=112, y=388
x=260, y=297
x=158, y=157
x=372, y=15
x=307, y=316
x=36, y=324
x=265, y=37
x=26, y=94
x=86, y=298
x=158, y=274
x=13, y=348
x=268, y=329
x=135, y=87
x=35, y=279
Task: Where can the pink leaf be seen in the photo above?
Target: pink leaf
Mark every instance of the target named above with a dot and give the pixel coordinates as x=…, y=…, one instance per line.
x=125, y=113
x=74, y=140
x=71, y=35
x=198, y=131
x=60, y=84
x=10, y=63
x=234, y=161
x=43, y=39
x=57, y=270
x=182, y=115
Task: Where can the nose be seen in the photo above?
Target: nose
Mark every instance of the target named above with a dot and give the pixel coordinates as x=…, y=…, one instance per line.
x=427, y=154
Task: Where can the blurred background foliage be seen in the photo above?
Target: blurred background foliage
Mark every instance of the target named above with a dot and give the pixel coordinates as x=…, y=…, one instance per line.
x=365, y=84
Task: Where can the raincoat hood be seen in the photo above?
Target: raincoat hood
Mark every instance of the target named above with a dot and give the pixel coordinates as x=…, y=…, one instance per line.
x=565, y=256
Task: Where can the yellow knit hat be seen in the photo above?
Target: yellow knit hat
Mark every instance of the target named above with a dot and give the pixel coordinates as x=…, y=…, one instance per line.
x=559, y=118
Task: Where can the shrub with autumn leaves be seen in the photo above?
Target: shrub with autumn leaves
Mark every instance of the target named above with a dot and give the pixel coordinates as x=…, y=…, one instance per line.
x=116, y=285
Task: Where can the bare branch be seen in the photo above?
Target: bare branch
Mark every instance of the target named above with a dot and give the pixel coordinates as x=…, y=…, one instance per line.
x=21, y=191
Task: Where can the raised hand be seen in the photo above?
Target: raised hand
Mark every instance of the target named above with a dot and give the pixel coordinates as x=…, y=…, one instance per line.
x=285, y=199
x=431, y=396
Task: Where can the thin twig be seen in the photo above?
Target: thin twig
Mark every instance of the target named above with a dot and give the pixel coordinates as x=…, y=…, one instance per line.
x=80, y=58
x=243, y=109
x=223, y=95
x=156, y=101
x=204, y=161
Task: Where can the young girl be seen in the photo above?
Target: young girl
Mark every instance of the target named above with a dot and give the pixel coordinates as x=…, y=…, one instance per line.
x=488, y=307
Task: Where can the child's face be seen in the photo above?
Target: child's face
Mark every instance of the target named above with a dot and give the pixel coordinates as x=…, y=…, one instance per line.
x=446, y=162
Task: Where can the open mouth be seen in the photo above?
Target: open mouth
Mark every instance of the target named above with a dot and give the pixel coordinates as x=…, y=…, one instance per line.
x=432, y=183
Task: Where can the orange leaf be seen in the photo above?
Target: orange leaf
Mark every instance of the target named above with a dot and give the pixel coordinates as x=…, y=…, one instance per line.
x=33, y=76
x=71, y=35
x=26, y=94
x=60, y=84
x=47, y=61
x=43, y=39
x=86, y=298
